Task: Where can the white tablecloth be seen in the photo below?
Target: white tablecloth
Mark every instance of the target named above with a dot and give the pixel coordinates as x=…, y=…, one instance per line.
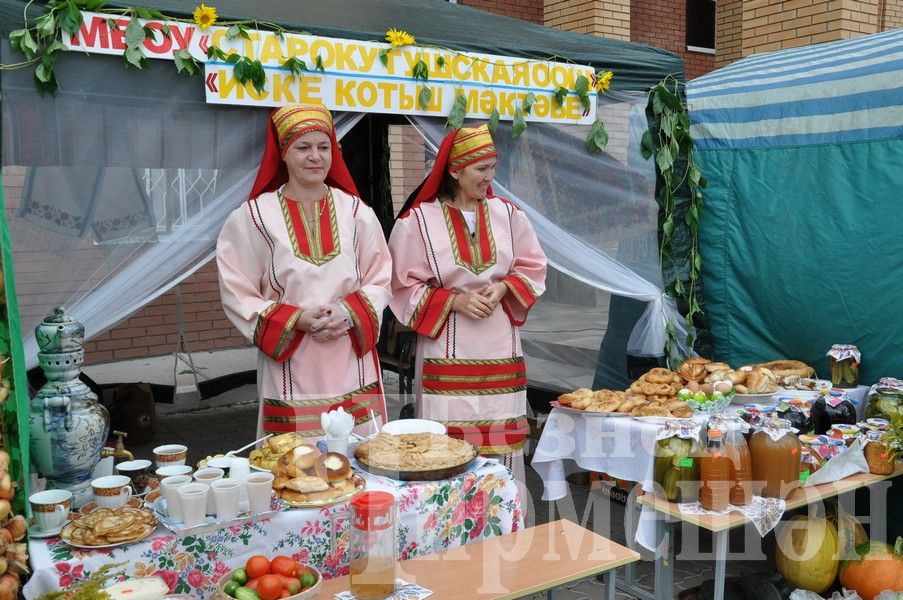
x=431, y=516
x=621, y=447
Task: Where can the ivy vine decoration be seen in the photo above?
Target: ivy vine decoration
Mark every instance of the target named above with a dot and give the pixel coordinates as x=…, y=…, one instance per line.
x=672, y=147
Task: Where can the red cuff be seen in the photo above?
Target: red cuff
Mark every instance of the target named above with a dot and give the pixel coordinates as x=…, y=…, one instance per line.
x=432, y=312
x=519, y=299
x=365, y=330
x=275, y=333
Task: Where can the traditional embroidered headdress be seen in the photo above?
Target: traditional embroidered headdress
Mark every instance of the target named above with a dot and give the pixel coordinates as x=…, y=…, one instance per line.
x=287, y=124
x=459, y=148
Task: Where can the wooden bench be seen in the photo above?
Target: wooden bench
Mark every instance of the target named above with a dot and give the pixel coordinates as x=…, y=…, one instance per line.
x=514, y=565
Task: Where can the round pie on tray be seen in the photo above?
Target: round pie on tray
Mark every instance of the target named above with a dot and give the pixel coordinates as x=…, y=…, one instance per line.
x=414, y=452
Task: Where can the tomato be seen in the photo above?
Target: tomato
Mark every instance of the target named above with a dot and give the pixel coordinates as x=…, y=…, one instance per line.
x=257, y=566
x=285, y=594
x=292, y=584
x=283, y=565
x=269, y=587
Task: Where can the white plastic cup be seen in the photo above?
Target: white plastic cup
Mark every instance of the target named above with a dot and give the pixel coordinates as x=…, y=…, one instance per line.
x=164, y=472
x=194, y=503
x=50, y=508
x=239, y=469
x=112, y=491
x=208, y=475
x=170, y=486
x=225, y=496
x=260, y=491
x=339, y=445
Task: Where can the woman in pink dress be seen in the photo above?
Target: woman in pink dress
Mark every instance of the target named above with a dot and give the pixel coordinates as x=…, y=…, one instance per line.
x=304, y=274
x=467, y=267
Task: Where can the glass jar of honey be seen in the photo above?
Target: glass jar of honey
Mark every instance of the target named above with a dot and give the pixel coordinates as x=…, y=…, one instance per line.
x=776, y=457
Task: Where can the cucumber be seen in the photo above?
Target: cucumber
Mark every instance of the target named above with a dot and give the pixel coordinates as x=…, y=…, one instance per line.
x=244, y=593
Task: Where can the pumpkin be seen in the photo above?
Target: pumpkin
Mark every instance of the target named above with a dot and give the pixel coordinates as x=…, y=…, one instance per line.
x=805, y=553
x=878, y=568
x=850, y=535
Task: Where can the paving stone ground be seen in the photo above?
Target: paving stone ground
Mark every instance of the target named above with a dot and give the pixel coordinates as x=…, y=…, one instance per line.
x=216, y=430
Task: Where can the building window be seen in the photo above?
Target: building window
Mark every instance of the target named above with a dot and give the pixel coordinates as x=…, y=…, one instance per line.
x=701, y=24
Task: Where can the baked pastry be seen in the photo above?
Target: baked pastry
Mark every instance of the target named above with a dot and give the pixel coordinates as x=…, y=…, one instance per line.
x=570, y=398
x=784, y=367
x=307, y=483
x=717, y=366
x=300, y=457
x=334, y=466
x=414, y=452
x=693, y=369
x=760, y=380
x=659, y=375
x=652, y=410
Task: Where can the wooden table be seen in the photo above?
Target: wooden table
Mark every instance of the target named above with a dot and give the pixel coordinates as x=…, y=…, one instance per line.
x=720, y=525
x=514, y=565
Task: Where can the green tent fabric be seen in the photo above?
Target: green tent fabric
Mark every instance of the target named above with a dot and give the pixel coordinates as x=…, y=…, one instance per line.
x=801, y=234
x=636, y=67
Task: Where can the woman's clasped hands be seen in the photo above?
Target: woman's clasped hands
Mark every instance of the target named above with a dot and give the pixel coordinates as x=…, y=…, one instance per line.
x=481, y=303
x=325, y=322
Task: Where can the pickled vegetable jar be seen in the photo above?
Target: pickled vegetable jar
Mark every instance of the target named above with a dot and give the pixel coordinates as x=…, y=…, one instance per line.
x=676, y=463
x=844, y=360
x=886, y=398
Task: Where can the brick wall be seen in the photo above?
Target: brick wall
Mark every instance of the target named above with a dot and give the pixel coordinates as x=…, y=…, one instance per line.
x=769, y=25
x=609, y=19
x=154, y=330
x=728, y=31
x=662, y=23
x=891, y=15
x=525, y=10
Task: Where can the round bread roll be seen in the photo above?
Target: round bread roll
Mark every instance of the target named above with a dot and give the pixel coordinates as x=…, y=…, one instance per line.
x=302, y=457
x=717, y=366
x=334, y=466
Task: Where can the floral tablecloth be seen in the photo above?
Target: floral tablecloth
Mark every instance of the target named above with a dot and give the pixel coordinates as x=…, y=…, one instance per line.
x=432, y=516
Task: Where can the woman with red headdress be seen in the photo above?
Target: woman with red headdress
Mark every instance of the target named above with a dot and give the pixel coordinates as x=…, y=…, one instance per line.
x=467, y=267
x=304, y=274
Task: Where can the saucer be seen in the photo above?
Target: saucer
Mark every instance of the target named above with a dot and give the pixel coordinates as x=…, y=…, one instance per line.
x=40, y=534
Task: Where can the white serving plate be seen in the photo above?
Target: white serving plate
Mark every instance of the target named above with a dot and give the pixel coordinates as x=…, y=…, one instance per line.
x=402, y=426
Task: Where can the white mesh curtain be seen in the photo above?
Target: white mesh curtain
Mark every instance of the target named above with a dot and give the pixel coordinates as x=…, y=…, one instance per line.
x=116, y=193
x=596, y=218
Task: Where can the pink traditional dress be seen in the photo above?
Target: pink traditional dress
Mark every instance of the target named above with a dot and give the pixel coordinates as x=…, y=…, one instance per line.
x=274, y=261
x=470, y=374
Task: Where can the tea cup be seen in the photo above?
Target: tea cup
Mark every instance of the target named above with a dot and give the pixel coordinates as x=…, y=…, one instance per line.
x=50, y=508
x=225, y=496
x=260, y=491
x=170, y=454
x=137, y=471
x=111, y=491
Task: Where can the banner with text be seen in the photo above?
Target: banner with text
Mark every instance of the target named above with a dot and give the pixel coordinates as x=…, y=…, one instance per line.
x=353, y=78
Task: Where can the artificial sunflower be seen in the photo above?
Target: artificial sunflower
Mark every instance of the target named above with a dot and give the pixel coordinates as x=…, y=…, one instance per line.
x=205, y=16
x=603, y=81
x=399, y=37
